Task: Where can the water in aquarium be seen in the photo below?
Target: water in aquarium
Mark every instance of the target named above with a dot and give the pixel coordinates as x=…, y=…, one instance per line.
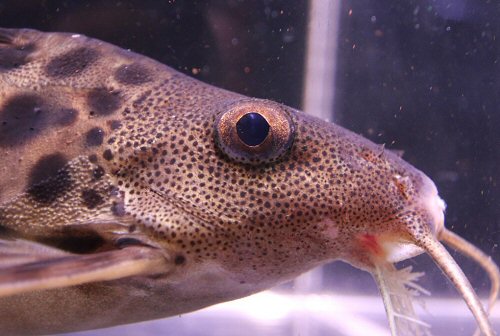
x=419, y=78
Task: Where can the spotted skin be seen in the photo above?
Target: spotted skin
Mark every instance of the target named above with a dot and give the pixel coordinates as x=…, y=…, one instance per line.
x=110, y=146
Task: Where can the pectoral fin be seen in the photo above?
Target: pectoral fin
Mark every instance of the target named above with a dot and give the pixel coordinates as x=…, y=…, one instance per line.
x=27, y=266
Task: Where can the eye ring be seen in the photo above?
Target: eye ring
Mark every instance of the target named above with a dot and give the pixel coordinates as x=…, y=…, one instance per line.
x=254, y=131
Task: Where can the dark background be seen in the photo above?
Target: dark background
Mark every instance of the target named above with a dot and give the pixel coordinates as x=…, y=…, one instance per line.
x=420, y=76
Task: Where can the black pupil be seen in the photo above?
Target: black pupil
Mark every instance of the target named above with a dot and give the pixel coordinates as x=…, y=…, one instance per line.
x=252, y=129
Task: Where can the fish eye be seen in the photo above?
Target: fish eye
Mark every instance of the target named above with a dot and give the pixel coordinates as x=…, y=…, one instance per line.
x=254, y=131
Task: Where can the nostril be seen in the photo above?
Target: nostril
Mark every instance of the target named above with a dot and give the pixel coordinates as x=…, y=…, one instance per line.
x=403, y=185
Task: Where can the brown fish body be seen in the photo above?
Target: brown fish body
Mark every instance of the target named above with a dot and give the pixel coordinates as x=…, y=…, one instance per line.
x=105, y=151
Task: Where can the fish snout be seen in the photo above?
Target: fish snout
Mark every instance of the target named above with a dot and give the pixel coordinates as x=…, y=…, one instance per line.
x=433, y=205
x=426, y=218
x=421, y=217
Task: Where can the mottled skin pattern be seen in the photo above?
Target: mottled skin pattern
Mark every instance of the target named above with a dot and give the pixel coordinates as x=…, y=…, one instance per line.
x=98, y=144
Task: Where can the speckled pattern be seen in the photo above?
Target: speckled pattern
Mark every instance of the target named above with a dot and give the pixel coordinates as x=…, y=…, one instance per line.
x=164, y=147
x=91, y=134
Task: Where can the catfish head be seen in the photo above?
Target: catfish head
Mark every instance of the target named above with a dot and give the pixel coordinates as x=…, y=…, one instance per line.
x=129, y=192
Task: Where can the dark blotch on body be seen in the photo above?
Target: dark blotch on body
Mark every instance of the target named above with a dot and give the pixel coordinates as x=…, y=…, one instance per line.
x=24, y=116
x=72, y=63
x=133, y=74
x=49, y=179
x=21, y=118
x=103, y=102
x=47, y=167
x=12, y=57
x=94, y=137
x=91, y=198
